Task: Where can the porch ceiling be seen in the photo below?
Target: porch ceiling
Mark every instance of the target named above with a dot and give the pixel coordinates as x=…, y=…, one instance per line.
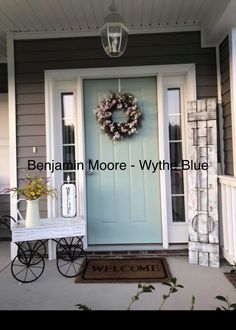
x=87, y=16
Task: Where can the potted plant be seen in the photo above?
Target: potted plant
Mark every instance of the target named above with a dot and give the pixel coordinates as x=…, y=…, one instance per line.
x=32, y=190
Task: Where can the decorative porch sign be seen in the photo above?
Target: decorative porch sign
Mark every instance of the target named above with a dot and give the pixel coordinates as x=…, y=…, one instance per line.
x=68, y=193
x=202, y=184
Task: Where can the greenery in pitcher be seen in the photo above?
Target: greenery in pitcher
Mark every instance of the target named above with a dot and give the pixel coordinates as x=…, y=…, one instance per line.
x=34, y=188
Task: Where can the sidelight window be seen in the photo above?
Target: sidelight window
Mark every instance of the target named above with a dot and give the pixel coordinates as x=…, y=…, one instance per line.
x=176, y=152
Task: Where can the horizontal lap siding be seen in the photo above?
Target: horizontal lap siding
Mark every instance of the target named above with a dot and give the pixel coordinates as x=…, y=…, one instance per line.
x=34, y=56
x=4, y=204
x=4, y=210
x=3, y=78
x=226, y=103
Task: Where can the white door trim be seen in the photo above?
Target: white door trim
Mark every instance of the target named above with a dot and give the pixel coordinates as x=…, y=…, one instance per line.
x=165, y=211
x=53, y=89
x=51, y=76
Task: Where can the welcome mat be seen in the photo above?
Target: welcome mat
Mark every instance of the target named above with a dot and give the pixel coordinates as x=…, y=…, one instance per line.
x=125, y=270
x=232, y=278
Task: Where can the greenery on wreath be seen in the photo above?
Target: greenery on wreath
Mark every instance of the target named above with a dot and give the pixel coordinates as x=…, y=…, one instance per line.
x=126, y=102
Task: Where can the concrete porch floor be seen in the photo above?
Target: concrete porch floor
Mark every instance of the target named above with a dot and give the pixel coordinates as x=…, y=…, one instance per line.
x=55, y=292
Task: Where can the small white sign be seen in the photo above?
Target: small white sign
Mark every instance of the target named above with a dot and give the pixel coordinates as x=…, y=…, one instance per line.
x=68, y=192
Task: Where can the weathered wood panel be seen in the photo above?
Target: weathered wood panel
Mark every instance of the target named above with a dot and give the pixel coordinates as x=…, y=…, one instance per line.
x=226, y=104
x=202, y=184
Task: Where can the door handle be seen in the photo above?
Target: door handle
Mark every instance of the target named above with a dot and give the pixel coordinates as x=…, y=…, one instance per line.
x=89, y=172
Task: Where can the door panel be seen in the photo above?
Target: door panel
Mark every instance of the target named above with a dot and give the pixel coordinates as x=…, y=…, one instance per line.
x=123, y=207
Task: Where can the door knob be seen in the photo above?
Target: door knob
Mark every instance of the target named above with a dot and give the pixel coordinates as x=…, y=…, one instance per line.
x=89, y=171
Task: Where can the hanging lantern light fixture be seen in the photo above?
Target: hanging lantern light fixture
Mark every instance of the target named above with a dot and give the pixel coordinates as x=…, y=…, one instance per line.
x=114, y=33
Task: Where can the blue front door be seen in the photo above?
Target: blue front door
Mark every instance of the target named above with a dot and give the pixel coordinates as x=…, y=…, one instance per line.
x=123, y=206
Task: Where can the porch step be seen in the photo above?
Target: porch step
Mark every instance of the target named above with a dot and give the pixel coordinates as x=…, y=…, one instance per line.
x=150, y=253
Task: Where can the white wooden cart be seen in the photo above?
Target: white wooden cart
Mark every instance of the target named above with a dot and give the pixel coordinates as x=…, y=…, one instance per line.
x=71, y=259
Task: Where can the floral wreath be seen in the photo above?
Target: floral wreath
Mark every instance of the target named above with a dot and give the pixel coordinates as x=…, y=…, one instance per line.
x=128, y=103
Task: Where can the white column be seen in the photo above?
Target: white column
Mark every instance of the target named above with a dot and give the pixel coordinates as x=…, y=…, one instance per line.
x=220, y=111
x=12, y=126
x=165, y=212
x=232, y=63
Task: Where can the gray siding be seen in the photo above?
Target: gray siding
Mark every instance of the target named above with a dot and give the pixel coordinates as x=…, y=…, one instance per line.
x=225, y=87
x=4, y=204
x=34, y=56
x=4, y=210
x=3, y=78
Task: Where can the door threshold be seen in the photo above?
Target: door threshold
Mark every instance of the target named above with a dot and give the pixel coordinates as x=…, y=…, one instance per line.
x=176, y=249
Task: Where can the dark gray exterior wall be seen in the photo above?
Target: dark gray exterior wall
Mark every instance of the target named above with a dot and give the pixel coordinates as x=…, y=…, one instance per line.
x=32, y=57
x=4, y=204
x=226, y=104
x=3, y=78
x=4, y=210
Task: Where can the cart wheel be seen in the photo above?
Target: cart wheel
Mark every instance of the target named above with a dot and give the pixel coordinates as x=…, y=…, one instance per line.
x=68, y=243
x=71, y=258
x=28, y=247
x=27, y=266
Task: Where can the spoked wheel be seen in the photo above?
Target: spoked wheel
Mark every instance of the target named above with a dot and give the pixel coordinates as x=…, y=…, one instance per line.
x=71, y=258
x=29, y=247
x=27, y=266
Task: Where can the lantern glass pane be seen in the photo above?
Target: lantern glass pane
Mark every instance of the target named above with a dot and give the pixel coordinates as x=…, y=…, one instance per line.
x=114, y=39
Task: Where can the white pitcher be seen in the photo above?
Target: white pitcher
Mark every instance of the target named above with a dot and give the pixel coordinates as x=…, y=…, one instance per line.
x=32, y=218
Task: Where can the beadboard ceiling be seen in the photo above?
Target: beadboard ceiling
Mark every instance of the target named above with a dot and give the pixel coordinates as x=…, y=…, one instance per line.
x=44, y=16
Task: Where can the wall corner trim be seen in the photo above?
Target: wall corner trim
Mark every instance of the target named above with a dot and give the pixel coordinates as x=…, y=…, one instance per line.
x=12, y=126
x=232, y=66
